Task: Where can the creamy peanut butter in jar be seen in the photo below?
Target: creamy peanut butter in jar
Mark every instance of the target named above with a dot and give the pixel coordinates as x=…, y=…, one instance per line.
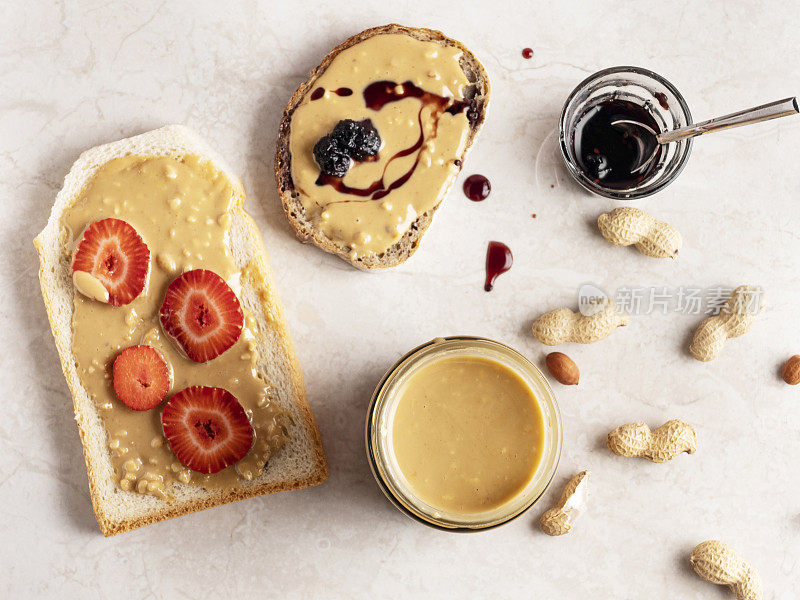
x=463, y=434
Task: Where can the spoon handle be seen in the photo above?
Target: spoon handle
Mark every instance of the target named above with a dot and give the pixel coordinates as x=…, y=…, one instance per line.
x=765, y=112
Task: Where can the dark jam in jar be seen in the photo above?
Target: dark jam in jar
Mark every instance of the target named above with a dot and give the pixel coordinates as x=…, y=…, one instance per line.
x=610, y=154
x=662, y=100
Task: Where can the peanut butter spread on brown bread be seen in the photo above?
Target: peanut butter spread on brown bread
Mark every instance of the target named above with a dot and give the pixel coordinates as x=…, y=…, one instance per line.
x=421, y=140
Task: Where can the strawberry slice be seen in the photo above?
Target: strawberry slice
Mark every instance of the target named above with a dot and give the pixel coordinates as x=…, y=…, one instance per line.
x=141, y=377
x=114, y=253
x=202, y=314
x=206, y=428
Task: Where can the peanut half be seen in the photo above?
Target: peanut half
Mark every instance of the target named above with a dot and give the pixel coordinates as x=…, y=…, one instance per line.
x=659, y=445
x=631, y=226
x=718, y=563
x=560, y=519
x=90, y=286
x=735, y=319
x=562, y=368
x=563, y=325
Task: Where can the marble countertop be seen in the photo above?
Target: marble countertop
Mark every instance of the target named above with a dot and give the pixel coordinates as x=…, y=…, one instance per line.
x=78, y=74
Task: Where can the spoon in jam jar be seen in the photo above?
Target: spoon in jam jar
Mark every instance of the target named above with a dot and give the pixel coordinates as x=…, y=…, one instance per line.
x=652, y=138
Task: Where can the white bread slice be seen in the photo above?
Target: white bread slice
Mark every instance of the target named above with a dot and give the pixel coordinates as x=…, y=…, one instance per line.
x=477, y=92
x=300, y=463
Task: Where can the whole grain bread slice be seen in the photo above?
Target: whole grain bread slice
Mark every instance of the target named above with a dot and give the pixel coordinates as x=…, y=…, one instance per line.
x=477, y=93
x=300, y=463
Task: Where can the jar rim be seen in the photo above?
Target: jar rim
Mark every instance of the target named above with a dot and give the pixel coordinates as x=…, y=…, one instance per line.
x=542, y=475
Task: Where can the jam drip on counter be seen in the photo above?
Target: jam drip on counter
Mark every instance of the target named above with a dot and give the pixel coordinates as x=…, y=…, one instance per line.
x=320, y=92
x=498, y=260
x=609, y=154
x=477, y=188
x=377, y=95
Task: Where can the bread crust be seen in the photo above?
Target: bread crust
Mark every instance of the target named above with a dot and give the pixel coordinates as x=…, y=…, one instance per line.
x=408, y=244
x=116, y=510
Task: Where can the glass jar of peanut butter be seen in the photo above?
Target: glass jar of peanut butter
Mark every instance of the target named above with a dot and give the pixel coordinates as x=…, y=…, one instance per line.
x=463, y=434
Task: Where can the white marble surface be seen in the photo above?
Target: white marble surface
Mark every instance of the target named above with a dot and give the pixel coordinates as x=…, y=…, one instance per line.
x=76, y=74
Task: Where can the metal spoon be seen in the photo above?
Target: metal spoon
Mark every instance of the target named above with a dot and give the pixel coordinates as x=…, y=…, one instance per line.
x=765, y=112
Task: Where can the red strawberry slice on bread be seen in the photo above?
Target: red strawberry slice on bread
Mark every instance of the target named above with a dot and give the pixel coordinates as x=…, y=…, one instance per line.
x=206, y=428
x=202, y=314
x=114, y=253
x=142, y=377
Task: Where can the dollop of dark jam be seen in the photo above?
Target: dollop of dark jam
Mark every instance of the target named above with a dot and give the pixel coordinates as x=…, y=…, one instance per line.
x=610, y=154
x=349, y=141
x=359, y=139
x=332, y=159
x=477, y=188
x=498, y=260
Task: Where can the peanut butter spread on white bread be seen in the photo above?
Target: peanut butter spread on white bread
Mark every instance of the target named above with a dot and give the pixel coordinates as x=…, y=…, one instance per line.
x=181, y=209
x=177, y=170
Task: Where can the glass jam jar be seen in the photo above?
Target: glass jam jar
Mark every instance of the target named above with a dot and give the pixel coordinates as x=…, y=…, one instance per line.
x=380, y=426
x=632, y=90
